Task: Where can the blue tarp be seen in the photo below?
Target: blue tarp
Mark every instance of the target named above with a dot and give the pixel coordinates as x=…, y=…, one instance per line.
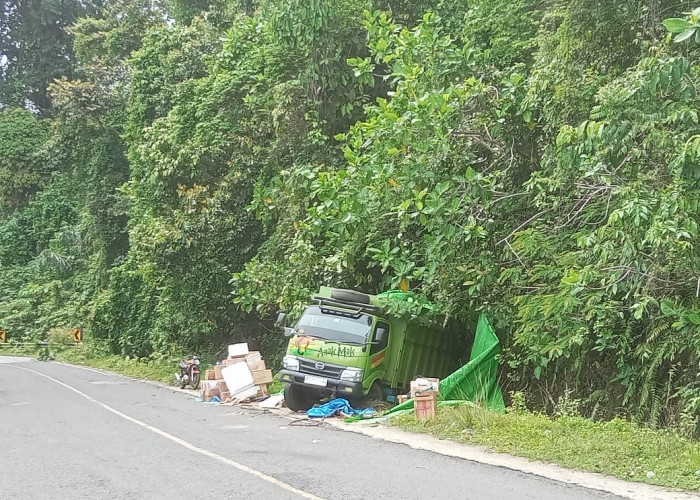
x=337, y=406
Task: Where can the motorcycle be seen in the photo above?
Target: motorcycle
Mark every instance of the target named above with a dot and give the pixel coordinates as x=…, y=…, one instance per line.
x=189, y=372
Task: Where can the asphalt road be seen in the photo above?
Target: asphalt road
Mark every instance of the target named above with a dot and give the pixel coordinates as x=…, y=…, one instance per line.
x=73, y=433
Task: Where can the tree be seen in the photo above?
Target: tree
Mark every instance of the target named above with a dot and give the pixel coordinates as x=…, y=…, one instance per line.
x=24, y=157
x=36, y=49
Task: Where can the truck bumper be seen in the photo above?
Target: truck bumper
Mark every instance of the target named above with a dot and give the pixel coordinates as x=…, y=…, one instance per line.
x=340, y=387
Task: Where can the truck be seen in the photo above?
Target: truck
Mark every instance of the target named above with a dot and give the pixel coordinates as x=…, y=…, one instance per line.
x=350, y=344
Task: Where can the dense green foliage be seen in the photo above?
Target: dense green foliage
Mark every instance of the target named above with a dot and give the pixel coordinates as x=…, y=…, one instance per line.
x=35, y=48
x=205, y=164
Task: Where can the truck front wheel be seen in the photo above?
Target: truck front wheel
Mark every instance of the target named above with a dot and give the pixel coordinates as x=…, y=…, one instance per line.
x=297, y=398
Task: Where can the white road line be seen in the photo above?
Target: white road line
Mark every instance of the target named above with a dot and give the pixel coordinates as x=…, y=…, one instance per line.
x=182, y=442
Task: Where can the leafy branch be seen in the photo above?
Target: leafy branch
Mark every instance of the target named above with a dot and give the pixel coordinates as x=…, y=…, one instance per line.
x=685, y=28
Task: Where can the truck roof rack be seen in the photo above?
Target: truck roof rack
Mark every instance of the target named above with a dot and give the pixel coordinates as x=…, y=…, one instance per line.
x=340, y=312
x=358, y=308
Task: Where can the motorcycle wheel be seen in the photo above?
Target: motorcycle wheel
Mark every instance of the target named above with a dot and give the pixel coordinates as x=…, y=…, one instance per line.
x=183, y=383
x=195, y=381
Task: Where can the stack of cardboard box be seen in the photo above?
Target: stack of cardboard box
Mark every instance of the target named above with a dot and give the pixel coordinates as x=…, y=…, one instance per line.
x=239, y=378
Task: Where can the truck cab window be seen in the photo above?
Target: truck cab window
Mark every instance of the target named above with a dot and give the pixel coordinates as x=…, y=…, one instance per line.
x=381, y=336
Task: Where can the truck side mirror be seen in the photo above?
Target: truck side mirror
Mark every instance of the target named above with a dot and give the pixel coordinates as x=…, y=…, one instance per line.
x=288, y=331
x=280, y=320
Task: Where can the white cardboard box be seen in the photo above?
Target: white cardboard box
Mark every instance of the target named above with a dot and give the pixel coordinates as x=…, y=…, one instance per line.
x=238, y=350
x=239, y=380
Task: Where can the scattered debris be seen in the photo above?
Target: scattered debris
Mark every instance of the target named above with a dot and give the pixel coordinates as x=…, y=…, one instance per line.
x=650, y=474
x=274, y=401
x=316, y=441
x=241, y=377
x=306, y=422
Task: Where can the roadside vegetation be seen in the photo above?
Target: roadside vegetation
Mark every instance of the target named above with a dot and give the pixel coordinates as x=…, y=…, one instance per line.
x=59, y=346
x=617, y=447
x=174, y=173
x=96, y=354
x=159, y=369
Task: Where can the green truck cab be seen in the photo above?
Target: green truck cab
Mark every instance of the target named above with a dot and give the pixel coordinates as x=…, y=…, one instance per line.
x=346, y=344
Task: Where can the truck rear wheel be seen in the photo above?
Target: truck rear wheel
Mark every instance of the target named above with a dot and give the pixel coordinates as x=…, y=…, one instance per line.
x=297, y=398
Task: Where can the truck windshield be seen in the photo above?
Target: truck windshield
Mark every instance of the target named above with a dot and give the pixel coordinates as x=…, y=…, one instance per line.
x=336, y=328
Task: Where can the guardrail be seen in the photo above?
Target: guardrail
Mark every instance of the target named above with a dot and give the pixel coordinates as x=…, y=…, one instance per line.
x=35, y=344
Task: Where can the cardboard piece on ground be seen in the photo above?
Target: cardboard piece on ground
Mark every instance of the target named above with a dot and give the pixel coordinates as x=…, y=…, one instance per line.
x=225, y=396
x=239, y=381
x=217, y=372
x=262, y=391
x=261, y=377
x=274, y=401
x=245, y=395
x=237, y=350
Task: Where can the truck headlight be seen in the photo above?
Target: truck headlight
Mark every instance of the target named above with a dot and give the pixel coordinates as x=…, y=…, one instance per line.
x=351, y=375
x=290, y=363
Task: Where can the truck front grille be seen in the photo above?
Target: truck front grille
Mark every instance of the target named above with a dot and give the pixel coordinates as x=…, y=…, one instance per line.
x=329, y=371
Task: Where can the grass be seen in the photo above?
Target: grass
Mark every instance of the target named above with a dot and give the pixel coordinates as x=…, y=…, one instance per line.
x=276, y=386
x=151, y=369
x=618, y=447
x=160, y=370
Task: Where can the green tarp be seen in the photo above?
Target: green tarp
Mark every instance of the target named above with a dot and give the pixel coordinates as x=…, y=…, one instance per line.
x=477, y=381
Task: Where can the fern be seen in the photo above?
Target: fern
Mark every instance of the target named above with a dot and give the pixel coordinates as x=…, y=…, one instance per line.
x=657, y=331
x=655, y=410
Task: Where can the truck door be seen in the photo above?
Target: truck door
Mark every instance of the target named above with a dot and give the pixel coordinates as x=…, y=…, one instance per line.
x=380, y=342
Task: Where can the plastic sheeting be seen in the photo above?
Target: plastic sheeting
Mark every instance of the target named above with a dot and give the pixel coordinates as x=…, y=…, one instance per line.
x=338, y=406
x=477, y=381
